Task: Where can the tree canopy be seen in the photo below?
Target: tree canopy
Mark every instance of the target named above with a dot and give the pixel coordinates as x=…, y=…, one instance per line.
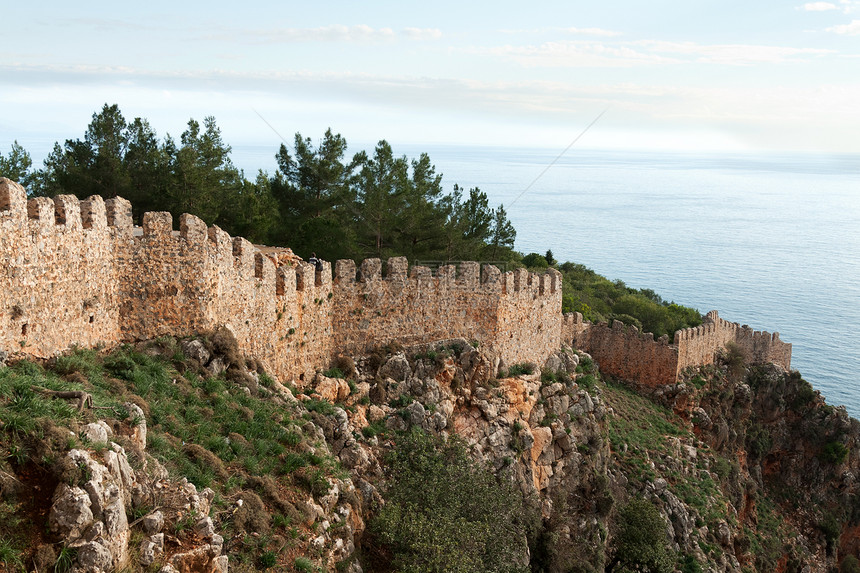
x=319, y=199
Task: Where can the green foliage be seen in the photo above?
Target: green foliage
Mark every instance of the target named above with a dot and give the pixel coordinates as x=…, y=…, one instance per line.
x=640, y=541
x=317, y=200
x=602, y=300
x=334, y=373
x=373, y=429
x=10, y=554
x=690, y=564
x=304, y=565
x=849, y=565
x=804, y=394
x=833, y=452
x=324, y=407
x=17, y=166
x=586, y=365
x=521, y=368
x=446, y=512
x=535, y=261
x=268, y=559
x=65, y=559
x=639, y=428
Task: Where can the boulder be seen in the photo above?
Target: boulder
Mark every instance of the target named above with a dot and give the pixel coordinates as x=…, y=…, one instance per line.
x=196, y=350
x=97, y=432
x=138, y=425
x=154, y=522
x=397, y=368
x=71, y=513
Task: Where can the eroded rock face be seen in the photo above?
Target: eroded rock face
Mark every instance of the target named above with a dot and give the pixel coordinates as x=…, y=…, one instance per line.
x=522, y=425
x=90, y=514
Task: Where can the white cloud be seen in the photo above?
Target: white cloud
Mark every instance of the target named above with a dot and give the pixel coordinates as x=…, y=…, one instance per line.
x=733, y=54
x=819, y=6
x=574, y=55
x=589, y=54
x=592, y=32
x=335, y=33
x=852, y=29
x=422, y=33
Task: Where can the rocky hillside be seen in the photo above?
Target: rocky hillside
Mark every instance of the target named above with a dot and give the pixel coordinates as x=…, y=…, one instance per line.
x=184, y=455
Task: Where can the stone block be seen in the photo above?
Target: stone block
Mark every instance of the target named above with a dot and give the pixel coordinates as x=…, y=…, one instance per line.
x=371, y=270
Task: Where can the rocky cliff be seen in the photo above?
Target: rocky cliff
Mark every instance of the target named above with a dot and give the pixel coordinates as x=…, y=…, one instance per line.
x=189, y=457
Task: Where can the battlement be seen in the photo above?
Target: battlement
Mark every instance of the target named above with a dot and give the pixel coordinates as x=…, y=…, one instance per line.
x=699, y=345
x=80, y=272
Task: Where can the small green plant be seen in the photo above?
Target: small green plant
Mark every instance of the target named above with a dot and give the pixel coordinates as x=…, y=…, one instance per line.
x=304, y=565
x=833, y=453
x=10, y=555
x=588, y=381
x=279, y=520
x=401, y=401
x=334, y=373
x=322, y=406
x=65, y=559
x=586, y=365
x=374, y=429
x=268, y=559
x=522, y=368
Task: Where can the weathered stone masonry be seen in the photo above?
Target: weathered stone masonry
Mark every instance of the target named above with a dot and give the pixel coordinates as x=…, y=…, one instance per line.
x=79, y=273
x=625, y=352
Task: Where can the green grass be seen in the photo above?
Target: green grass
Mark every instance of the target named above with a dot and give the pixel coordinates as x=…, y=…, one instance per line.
x=640, y=425
x=206, y=429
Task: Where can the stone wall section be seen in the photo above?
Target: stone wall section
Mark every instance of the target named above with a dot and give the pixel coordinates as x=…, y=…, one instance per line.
x=529, y=324
x=79, y=273
x=623, y=351
x=699, y=345
x=58, y=280
x=184, y=281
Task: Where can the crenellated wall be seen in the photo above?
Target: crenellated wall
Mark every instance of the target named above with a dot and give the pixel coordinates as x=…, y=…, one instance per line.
x=50, y=252
x=80, y=273
x=697, y=346
x=625, y=352
x=516, y=313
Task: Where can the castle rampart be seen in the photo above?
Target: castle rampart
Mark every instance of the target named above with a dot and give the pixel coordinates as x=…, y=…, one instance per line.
x=80, y=273
x=625, y=352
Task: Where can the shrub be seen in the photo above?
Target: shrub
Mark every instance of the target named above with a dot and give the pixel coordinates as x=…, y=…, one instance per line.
x=833, y=453
x=586, y=365
x=849, y=565
x=268, y=559
x=522, y=368
x=446, y=512
x=640, y=540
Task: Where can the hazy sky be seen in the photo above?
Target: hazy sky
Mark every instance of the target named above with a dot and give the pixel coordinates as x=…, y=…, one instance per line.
x=682, y=75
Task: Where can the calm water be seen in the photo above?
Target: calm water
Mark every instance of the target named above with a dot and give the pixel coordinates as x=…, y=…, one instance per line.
x=772, y=241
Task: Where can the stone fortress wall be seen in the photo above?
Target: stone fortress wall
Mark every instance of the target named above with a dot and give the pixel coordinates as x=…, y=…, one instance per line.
x=625, y=352
x=80, y=273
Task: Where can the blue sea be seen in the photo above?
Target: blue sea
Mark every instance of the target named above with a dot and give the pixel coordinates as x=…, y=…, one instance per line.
x=769, y=240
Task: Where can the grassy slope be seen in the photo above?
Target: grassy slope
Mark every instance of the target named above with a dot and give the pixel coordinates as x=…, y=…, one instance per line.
x=213, y=431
